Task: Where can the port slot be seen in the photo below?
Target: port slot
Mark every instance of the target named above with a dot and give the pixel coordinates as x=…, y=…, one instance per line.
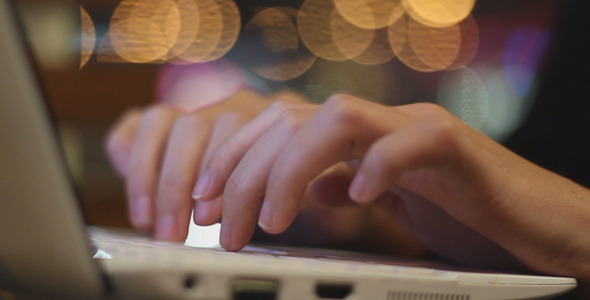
x=190, y=282
x=255, y=289
x=333, y=290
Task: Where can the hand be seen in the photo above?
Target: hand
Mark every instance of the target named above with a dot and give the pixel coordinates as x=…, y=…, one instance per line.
x=159, y=151
x=449, y=184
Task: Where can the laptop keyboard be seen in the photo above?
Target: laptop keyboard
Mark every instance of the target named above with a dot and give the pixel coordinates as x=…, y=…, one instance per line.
x=131, y=245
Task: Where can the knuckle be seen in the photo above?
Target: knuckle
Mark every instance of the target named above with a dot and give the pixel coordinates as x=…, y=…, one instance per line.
x=430, y=108
x=443, y=132
x=280, y=105
x=288, y=96
x=190, y=122
x=159, y=111
x=289, y=122
x=232, y=118
x=424, y=109
x=222, y=154
x=234, y=187
x=342, y=109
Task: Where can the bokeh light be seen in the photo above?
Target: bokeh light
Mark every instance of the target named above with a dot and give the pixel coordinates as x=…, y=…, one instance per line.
x=88, y=37
x=465, y=95
x=144, y=30
x=349, y=46
x=370, y=14
x=400, y=44
x=106, y=52
x=439, y=13
x=231, y=23
x=179, y=85
x=209, y=33
x=469, y=43
x=378, y=51
x=189, y=27
x=523, y=51
x=425, y=35
x=280, y=54
x=276, y=29
x=436, y=47
x=319, y=33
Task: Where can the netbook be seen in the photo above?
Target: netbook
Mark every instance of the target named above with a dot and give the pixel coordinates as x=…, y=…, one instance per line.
x=46, y=249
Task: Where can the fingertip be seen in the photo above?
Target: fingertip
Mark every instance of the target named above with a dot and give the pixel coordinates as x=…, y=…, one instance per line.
x=265, y=218
x=227, y=239
x=201, y=214
x=270, y=223
x=169, y=228
x=358, y=188
x=207, y=213
x=141, y=213
x=166, y=228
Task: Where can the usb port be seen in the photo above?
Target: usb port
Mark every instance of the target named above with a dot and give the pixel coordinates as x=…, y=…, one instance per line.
x=333, y=290
x=255, y=289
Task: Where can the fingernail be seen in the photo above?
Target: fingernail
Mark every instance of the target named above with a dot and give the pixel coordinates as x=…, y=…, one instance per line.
x=357, y=187
x=201, y=212
x=142, y=211
x=265, y=219
x=202, y=185
x=166, y=227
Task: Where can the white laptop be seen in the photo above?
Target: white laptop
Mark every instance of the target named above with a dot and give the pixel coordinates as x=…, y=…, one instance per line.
x=45, y=248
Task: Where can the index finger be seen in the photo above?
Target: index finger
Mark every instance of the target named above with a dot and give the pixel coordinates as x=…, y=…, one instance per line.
x=342, y=129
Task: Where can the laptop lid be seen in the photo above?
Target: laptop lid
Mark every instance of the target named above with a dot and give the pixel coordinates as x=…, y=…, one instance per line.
x=43, y=244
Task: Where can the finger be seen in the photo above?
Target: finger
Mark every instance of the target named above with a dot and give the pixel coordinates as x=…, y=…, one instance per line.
x=225, y=125
x=425, y=144
x=245, y=187
x=341, y=130
x=191, y=143
x=330, y=189
x=227, y=156
x=185, y=148
x=120, y=138
x=208, y=212
x=144, y=163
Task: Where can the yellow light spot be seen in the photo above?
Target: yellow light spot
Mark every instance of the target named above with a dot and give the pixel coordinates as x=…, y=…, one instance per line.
x=469, y=43
x=436, y=47
x=209, y=33
x=189, y=27
x=231, y=29
x=378, y=52
x=276, y=29
x=88, y=40
x=439, y=13
x=370, y=14
x=398, y=40
x=277, y=33
x=144, y=30
x=318, y=32
x=106, y=52
x=350, y=46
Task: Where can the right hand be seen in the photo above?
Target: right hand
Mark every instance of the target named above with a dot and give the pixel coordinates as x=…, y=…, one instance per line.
x=160, y=150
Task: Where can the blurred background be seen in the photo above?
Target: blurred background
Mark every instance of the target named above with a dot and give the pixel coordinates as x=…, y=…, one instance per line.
x=514, y=69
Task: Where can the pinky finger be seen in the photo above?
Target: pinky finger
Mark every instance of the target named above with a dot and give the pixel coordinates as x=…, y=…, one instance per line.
x=424, y=145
